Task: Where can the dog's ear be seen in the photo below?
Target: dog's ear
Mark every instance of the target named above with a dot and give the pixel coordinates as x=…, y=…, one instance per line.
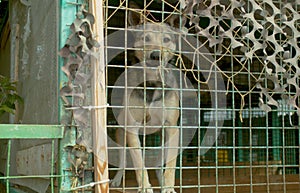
x=134, y=15
x=174, y=21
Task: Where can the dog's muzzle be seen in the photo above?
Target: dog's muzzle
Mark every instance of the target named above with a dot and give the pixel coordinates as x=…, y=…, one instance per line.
x=155, y=55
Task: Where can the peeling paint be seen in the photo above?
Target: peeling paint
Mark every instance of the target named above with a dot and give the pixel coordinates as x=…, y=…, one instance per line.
x=39, y=61
x=25, y=55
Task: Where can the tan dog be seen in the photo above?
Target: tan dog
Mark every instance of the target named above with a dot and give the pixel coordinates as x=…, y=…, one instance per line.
x=155, y=44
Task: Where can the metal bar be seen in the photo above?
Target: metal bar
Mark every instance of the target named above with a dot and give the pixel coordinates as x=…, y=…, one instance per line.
x=8, y=164
x=67, y=15
x=254, y=143
x=240, y=143
x=276, y=138
x=52, y=165
x=16, y=131
x=33, y=176
x=126, y=64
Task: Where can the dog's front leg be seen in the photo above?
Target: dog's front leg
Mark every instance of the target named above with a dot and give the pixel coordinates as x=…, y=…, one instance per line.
x=120, y=134
x=138, y=162
x=172, y=142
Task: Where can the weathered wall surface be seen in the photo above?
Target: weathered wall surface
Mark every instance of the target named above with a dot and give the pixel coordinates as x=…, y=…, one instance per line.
x=34, y=25
x=34, y=55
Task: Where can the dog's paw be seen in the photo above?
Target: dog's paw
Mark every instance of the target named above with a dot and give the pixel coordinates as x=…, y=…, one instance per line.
x=146, y=190
x=116, y=183
x=117, y=179
x=168, y=190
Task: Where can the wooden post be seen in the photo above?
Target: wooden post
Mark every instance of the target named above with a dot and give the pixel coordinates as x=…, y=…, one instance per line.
x=99, y=100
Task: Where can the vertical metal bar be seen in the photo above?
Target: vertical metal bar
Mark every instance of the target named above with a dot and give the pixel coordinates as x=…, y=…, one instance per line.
x=8, y=165
x=67, y=16
x=250, y=127
x=240, y=142
x=163, y=112
x=200, y=121
x=283, y=152
x=125, y=94
x=199, y=130
x=233, y=122
x=181, y=121
x=250, y=146
x=267, y=152
x=99, y=99
x=181, y=125
x=142, y=148
x=215, y=109
x=52, y=166
x=276, y=137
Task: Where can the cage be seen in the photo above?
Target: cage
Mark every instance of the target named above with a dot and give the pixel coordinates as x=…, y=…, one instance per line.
x=239, y=138
x=154, y=95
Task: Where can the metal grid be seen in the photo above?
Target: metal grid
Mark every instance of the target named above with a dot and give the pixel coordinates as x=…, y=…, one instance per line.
x=22, y=161
x=233, y=146
x=252, y=150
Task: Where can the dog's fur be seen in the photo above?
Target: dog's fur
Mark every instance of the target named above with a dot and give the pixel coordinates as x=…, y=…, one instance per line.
x=156, y=45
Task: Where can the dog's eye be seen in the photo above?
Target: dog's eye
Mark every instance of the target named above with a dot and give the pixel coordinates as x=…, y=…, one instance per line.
x=147, y=39
x=166, y=39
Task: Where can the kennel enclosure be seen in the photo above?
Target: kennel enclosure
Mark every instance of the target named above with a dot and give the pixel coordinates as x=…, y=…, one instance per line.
x=252, y=45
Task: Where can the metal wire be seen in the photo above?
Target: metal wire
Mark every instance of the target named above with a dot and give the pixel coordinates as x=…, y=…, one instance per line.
x=253, y=143
x=8, y=177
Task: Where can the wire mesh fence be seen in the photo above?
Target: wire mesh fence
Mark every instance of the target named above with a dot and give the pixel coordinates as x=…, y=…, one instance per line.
x=202, y=97
x=237, y=87
x=17, y=168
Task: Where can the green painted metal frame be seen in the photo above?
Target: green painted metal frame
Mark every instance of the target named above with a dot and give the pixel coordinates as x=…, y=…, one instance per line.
x=17, y=131
x=67, y=14
x=66, y=134
x=10, y=130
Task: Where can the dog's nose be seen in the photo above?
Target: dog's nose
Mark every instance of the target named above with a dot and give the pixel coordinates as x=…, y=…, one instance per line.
x=155, y=55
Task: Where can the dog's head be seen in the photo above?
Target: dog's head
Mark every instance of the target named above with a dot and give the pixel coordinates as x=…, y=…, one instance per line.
x=155, y=42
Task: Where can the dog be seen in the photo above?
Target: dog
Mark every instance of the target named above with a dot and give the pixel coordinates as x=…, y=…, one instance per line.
x=155, y=45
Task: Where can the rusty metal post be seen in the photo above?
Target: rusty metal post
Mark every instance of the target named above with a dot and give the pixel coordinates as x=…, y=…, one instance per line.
x=99, y=100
